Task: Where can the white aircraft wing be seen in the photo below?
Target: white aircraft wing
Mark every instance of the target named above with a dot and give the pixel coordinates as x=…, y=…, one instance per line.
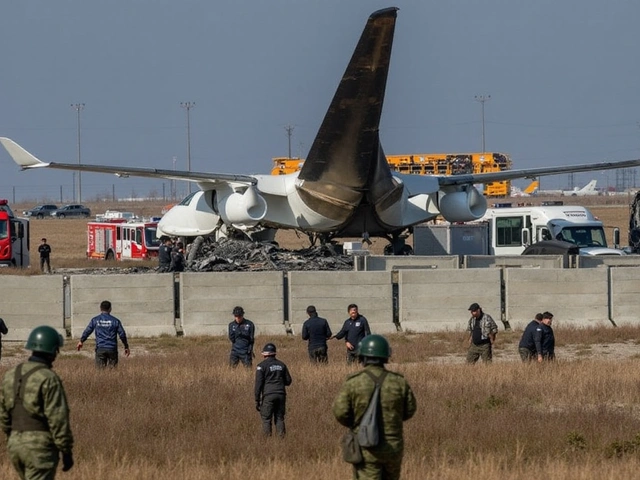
x=453, y=180
x=27, y=161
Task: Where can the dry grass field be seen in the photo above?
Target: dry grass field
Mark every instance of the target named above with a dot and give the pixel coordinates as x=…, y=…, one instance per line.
x=174, y=410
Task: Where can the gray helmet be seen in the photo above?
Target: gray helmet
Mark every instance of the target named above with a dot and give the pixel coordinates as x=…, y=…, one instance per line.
x=269, y=349
x=238, y=311
x=45, y=339
x=375, y=346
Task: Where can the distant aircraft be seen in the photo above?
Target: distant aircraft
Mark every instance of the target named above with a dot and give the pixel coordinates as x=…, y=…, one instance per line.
x=532, y=189
x=345, y=187
x=588, y=190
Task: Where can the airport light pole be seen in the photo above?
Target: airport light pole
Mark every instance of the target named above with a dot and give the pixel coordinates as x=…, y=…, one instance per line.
x=289, y=130
x=188, y=106
x=482, y=99
x=78, y=107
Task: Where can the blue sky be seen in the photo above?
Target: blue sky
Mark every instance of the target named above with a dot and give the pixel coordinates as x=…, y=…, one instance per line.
x=563, y=79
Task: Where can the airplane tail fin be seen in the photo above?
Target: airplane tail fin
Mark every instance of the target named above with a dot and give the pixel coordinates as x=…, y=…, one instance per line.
x=590, y=187
x=346, y=162
x=532, y=188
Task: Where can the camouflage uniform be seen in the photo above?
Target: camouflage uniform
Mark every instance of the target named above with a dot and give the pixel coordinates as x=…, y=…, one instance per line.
x=35, y=446
x=397, y=405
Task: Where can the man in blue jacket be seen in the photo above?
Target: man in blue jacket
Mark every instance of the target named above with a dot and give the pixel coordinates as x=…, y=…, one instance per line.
x=108, y=328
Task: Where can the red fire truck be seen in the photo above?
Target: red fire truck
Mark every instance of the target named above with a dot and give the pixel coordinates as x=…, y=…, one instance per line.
x=14, y=238
x=118, y=239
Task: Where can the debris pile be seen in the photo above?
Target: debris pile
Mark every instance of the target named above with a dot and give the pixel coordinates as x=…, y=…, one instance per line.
x=229, y=255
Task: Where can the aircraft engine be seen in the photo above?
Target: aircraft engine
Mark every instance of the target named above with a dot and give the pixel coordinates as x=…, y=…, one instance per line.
x=243, y=209
x=462, y=205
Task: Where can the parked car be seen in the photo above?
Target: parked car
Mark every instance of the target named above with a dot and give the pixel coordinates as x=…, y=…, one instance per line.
x=71, y=211
x=40, y=211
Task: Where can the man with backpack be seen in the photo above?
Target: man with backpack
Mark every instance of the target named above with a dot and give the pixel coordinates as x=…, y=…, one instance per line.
x=396, y=404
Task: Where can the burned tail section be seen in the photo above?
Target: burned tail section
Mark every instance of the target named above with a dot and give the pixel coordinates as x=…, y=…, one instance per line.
x=346, y=170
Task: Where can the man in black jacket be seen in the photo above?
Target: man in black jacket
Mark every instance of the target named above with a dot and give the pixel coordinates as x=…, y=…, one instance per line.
x=527, y=345
x=355, y=328
x=545, y=339
x=317, y=331
x=272, y=377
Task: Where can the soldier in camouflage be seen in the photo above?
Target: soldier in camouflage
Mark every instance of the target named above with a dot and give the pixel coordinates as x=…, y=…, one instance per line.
x=397, y=404
x=34, y=413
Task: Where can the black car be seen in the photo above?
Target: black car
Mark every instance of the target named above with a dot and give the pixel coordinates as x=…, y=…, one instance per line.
x=71, y=211
x=40, y=211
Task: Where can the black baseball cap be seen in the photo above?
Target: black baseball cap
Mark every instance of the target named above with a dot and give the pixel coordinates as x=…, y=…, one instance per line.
x=473, y=307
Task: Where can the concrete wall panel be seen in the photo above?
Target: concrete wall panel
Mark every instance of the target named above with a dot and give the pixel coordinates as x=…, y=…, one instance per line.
x=207, y=300
x=31, y=301
x=386, y=263
x=143, y=303
x=332, y=292
x=514, y=261
x=575, y=297
x=625, y=298
x=439, y=300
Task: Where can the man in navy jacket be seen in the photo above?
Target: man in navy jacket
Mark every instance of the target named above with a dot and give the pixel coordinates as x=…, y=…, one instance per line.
x=108, y=328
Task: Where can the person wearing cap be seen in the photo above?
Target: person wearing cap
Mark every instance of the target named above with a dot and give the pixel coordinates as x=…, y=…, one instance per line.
x=397, y=405
x=272, y=378
x=317, y=331
x=164, y=255
x=482, y=335
x=34, y=413
x=242, y=337
x=108, y=328
x=527, y=347
x=355, y=328
x=544, y=339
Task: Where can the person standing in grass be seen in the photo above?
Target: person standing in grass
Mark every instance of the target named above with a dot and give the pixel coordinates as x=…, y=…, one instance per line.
x=317, y=331
x=242, y=337
x=34, y=413
x=108, y=328
x=545, y=339
x=527, y=346
x=355, y=328
x=3, y=331
x=45, y=252
x=397, y=405
x=482, y=335
x=272, y=378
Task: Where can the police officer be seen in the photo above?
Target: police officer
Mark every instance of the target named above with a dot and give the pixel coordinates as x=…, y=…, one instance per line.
x=397, y=404
x=242, y=337
x=545, y=339
x=164, y=255
x=527, y=345
x=108, y=328
x=33, y=410
x=355, y=328
x=317, y=331
x=272, y=378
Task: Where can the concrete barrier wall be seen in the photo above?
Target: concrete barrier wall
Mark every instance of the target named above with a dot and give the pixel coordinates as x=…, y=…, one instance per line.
x=207, y=301
x=143, y=303
x=332, y=292
x=515, y=261
x=386, y=263
x=439, y=299
x=575, y=297
x=595, y=261
x=32, y=301
x=625, y=298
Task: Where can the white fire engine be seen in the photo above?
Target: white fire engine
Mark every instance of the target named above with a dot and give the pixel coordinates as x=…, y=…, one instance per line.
x=117, y=239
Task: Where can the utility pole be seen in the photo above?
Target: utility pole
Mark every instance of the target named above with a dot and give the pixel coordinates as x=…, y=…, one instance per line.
x=482, y=99
x=174, y=194
x=78, y=107
x=188, y=106
x=289, y=130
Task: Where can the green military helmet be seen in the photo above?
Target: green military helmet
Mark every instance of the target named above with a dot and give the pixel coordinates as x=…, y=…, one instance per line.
x=375, y=346
x=45, y=339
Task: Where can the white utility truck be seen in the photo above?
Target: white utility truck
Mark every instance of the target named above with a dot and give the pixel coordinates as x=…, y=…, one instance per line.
x=507, y=230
